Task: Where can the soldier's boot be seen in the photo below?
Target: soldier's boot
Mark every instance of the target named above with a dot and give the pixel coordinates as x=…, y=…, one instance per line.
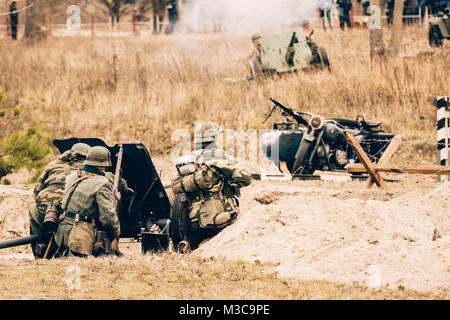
x=39, y=249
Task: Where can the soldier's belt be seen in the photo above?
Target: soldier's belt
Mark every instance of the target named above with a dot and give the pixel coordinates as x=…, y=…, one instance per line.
x=87, y=219
x=205, y=195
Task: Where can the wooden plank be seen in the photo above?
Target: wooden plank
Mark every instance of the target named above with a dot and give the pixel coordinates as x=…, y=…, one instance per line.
x=386, y=157
x=362, y=156
x=413, y=169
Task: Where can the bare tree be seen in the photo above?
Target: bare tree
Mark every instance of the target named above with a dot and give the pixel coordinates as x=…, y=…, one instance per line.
x=35, y=19
x=116, y=8
x=377, y=48
x=397, y=26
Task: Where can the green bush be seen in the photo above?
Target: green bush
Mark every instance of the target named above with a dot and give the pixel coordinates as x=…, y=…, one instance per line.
x=1, y=94
x=26, y=149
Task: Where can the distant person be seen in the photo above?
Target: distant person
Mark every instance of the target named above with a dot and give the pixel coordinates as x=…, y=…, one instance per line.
x=365, y=6
x=172, y=11
x=390, y=11
x=325, y=7
x=344, y=7
x=13, y=19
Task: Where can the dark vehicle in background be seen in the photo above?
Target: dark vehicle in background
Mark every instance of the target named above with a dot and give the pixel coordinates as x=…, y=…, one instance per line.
x=307, y=142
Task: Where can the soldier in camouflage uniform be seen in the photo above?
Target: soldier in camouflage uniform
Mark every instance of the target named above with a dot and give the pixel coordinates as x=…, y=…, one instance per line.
x=89, y=224
x=255, y=60
x=50, y=189
x=217, y=207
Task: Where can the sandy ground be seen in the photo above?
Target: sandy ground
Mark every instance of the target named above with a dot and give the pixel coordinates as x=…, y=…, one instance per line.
x=313, y=230
x=332, y=230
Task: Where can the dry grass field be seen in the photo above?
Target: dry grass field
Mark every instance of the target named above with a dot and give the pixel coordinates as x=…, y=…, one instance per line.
x=144, y=88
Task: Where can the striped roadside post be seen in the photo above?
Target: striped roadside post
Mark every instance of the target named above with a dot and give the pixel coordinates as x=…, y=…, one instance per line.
x=443, y=133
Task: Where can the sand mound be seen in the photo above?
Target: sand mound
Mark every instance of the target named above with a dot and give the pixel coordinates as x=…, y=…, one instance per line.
x=344, y=236
x=14, y=203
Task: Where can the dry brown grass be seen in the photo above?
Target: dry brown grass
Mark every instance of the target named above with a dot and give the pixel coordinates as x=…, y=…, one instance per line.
x=173, y=276
x=128, y=89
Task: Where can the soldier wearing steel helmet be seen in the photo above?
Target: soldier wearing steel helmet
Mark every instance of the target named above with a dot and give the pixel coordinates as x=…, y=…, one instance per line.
x=89, y=224
x=215, y=207
x=255, y=60
x=50, y=189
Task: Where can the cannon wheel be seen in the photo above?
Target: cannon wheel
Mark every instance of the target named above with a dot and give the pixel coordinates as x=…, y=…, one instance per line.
x=179, y=225
x=435, y=37
x=255, y=68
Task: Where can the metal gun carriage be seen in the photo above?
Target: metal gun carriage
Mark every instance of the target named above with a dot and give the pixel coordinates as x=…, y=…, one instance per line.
x=439, y=28
x=287, y=52
x=137, y=211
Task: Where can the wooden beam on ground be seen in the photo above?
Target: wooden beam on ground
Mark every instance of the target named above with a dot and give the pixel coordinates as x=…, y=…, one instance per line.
x=413, y=169
x=386, y=157
x=362, y=156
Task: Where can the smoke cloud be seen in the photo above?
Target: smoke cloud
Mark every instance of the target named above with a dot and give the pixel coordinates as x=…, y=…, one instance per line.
x=246, y=16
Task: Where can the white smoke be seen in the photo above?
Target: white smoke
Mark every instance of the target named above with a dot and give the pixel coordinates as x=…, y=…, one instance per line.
x=246, y=16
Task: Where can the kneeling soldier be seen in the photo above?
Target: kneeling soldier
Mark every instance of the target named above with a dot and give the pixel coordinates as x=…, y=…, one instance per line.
x=50, y=190
x=212, y=183
x=89, y=224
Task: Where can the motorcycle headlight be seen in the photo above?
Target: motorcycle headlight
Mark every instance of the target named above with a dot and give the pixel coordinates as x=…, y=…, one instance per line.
x=316, y=122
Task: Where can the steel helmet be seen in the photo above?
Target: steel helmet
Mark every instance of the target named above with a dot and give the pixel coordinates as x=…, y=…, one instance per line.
x=81, y=148
x=205, y=132
x=98, y=156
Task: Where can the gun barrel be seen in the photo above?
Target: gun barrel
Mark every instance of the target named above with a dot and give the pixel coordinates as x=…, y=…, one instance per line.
x=23, y=240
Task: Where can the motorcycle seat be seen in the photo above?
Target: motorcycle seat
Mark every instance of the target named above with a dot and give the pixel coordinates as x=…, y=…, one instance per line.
x=371, y=124
x=346, y=122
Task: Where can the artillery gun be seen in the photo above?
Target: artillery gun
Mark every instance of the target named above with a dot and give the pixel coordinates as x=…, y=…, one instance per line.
x=439, y=28
x=287, y=52
x=148, y=205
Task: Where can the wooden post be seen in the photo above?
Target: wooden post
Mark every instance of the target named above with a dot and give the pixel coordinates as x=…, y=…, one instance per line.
x=443, y=131
x=403, y=168
x=362, y=156
x=352, y=17
x=50, y=25
x=92, y=25
x=133, y=19
x=8, y=28
x=386, y=157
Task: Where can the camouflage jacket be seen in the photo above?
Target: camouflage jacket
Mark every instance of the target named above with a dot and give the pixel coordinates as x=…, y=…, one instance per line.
x=50, y=186
x=92, y=198
x=225, y=172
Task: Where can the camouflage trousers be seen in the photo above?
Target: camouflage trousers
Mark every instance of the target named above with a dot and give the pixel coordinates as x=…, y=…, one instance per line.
x=37, y=214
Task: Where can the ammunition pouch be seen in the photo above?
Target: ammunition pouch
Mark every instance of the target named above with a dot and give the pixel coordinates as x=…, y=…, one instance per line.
x=212, y=214
x=82, y=237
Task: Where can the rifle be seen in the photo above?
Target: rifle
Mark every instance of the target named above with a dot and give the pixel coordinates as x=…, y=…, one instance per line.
x=117, y=174
x=294, y=114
